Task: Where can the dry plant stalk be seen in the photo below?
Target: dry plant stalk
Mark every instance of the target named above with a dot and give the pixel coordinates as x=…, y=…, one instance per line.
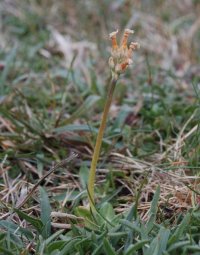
x=121, y=58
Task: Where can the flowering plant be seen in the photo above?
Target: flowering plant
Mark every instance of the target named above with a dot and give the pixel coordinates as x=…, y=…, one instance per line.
x=121, y=58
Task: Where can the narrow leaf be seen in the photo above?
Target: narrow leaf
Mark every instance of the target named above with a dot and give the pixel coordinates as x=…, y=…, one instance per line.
x=36, y=223
x=12, y=227
x=134, y=247
x=83, y=175
x=159, y=244
x=109, y=250
x=45, y=213
x=180, y=229
x=153, y=210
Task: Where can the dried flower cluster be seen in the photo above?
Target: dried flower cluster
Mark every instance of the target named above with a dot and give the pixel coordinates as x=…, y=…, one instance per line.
x=121, y=56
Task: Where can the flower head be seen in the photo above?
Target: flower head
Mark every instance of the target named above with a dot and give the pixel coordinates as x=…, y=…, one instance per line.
x=121, y=56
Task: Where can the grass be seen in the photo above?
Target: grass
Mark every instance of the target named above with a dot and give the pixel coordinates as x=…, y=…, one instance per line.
x=53, y=85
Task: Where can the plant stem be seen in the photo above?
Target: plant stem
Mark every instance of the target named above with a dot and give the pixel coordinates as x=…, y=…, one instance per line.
x=97, y=148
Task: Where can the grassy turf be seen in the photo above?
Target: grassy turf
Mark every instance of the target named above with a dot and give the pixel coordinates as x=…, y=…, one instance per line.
x=53, y=85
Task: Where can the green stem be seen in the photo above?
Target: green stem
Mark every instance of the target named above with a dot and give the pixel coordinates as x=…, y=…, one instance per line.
x=97, y=148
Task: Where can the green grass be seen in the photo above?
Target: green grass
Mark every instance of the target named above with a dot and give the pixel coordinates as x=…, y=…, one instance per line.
x=147, y=183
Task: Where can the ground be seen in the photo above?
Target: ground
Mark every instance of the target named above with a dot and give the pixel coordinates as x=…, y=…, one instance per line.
x=54, y=76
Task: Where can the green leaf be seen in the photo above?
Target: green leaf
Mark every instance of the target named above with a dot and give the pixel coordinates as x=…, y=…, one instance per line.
x=97, y=251
x=14, y=228
x=109, y=250
x=56, y=245
x=69, y=247
x=134, y=213
x=153, y=210
x=131, y=225
x=175, y=246
x=119, y=121
x=159, y=244
x=5, y=251
x=75, y=127
x=87, y=104
x=13, y=241
x=110, y=196
x=162, y=239
x=107, y=215
x=54, y=236
x=9, y=62
x=84, y=243
x=154, y=203
x=45, y=213
x=134, y=247
x=180, y=229
x=117, y=234
x=2, y=236
x=83, y=175
x=36, y=223
x=107, y=211
x=193, y=248
x=88, y=217
x=131, y=213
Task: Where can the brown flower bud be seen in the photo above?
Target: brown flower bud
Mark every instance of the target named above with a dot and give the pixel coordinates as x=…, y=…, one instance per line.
x=121, y=57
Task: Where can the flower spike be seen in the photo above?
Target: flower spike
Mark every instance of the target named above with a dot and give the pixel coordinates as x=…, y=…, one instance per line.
x=133, y=46
x=121, y=57
x=125, y=38
x=113, y=37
